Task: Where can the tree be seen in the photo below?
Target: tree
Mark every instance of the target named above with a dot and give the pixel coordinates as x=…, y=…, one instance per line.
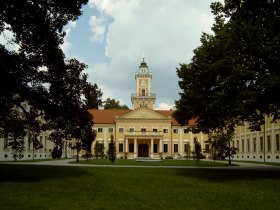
x=81, y=132
x=220, y=142
x=197, y=155
x=38, y=72
x=99, y=150
x=113, y=104
x=234, y=75
x=16, y=133
x=57, y=152
x=13, y=130
x=93, y=96
x=38, y=31
x=112, y=150
x=187, y=145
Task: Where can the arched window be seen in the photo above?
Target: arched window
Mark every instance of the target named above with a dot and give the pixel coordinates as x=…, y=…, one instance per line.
x=143, y=92
x=143, y=87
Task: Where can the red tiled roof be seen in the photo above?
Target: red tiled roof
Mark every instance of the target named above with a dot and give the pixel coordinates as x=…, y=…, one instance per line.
x=108, y=116
x=168, y=113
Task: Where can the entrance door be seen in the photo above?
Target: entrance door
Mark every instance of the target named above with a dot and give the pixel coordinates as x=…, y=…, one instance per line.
x=143, y=150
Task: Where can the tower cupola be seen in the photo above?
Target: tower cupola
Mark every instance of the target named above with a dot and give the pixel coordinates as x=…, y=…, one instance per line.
x=143, y=95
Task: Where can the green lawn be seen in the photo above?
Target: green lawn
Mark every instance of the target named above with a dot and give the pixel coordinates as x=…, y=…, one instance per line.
x=161, y=163
x=257, y=162
x=54, y=187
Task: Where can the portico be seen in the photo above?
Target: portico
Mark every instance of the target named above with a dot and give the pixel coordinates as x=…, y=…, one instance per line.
x=143, y=144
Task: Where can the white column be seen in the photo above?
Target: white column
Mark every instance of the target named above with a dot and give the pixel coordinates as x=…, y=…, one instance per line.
x=181, y=142
x=191, y=141
x=106, y=130
x=126, y=145
x=152, y=148
x=202, y=141
x=272, y=142
x=160, y=145
x=135, y=148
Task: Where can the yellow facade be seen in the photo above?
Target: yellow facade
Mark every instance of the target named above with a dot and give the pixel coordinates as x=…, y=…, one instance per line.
x=143, y=131
x=147, y=133
x=261, y=145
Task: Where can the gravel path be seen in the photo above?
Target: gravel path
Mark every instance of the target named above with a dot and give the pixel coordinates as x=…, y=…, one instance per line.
x=66, y=162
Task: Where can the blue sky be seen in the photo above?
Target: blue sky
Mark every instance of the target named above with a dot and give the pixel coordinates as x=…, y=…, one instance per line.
x=112, y=35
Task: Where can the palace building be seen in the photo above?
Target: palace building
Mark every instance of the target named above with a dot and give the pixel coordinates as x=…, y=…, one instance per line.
x=146, y=132
x=143, y=131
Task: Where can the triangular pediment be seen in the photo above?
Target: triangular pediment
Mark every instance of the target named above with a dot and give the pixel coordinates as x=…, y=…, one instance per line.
x=144, y=113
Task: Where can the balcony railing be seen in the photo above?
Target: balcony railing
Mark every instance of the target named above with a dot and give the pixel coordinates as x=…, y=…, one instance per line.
x=144, y=133
x=147, y=95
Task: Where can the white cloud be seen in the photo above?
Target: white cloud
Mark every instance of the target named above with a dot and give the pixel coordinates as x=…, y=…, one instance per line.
x=165, y=106
x=167, y=31
x=7, y=38
x=98, y=28
x=66, y=46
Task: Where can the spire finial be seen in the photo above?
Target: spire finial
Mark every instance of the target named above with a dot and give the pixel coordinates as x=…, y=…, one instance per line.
x=143, y=55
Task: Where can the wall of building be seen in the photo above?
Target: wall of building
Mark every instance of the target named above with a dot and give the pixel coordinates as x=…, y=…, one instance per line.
x=6, y=153
x=263, y=145
x=175, y=137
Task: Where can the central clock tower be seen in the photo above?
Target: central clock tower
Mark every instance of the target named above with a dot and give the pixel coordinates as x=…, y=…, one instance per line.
x=143, y=96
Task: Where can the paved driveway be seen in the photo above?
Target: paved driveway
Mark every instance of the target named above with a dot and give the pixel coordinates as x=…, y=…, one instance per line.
x=66, y=162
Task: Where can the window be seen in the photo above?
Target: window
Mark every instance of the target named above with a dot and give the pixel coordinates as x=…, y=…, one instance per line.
x=99, y=130
x=41, y=140
x=131, y=129
x=143, y=130
x=242, y=145
x=120, y=130
x=165, y=148
x=143, y=92
x=186, y=148
x=111, y=130
x=165, y=130
x=176, y=148
x=29, y=142
x=248, y=145
x=155, y=148
x=277, y=142
x=207, y=148
x=154, y=130
x=175, y=130
x=268, y=144
x=237, y=145
x=254, y=144
x=46, y=142
x=120, y=147
x=261, y=144
x=186, y=130
x=5, y=143
x=131, y=147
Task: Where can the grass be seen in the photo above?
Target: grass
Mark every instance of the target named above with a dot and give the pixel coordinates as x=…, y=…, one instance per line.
x=54, y=187
x=257, y=162
x=161, y=163
x=30, y=160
